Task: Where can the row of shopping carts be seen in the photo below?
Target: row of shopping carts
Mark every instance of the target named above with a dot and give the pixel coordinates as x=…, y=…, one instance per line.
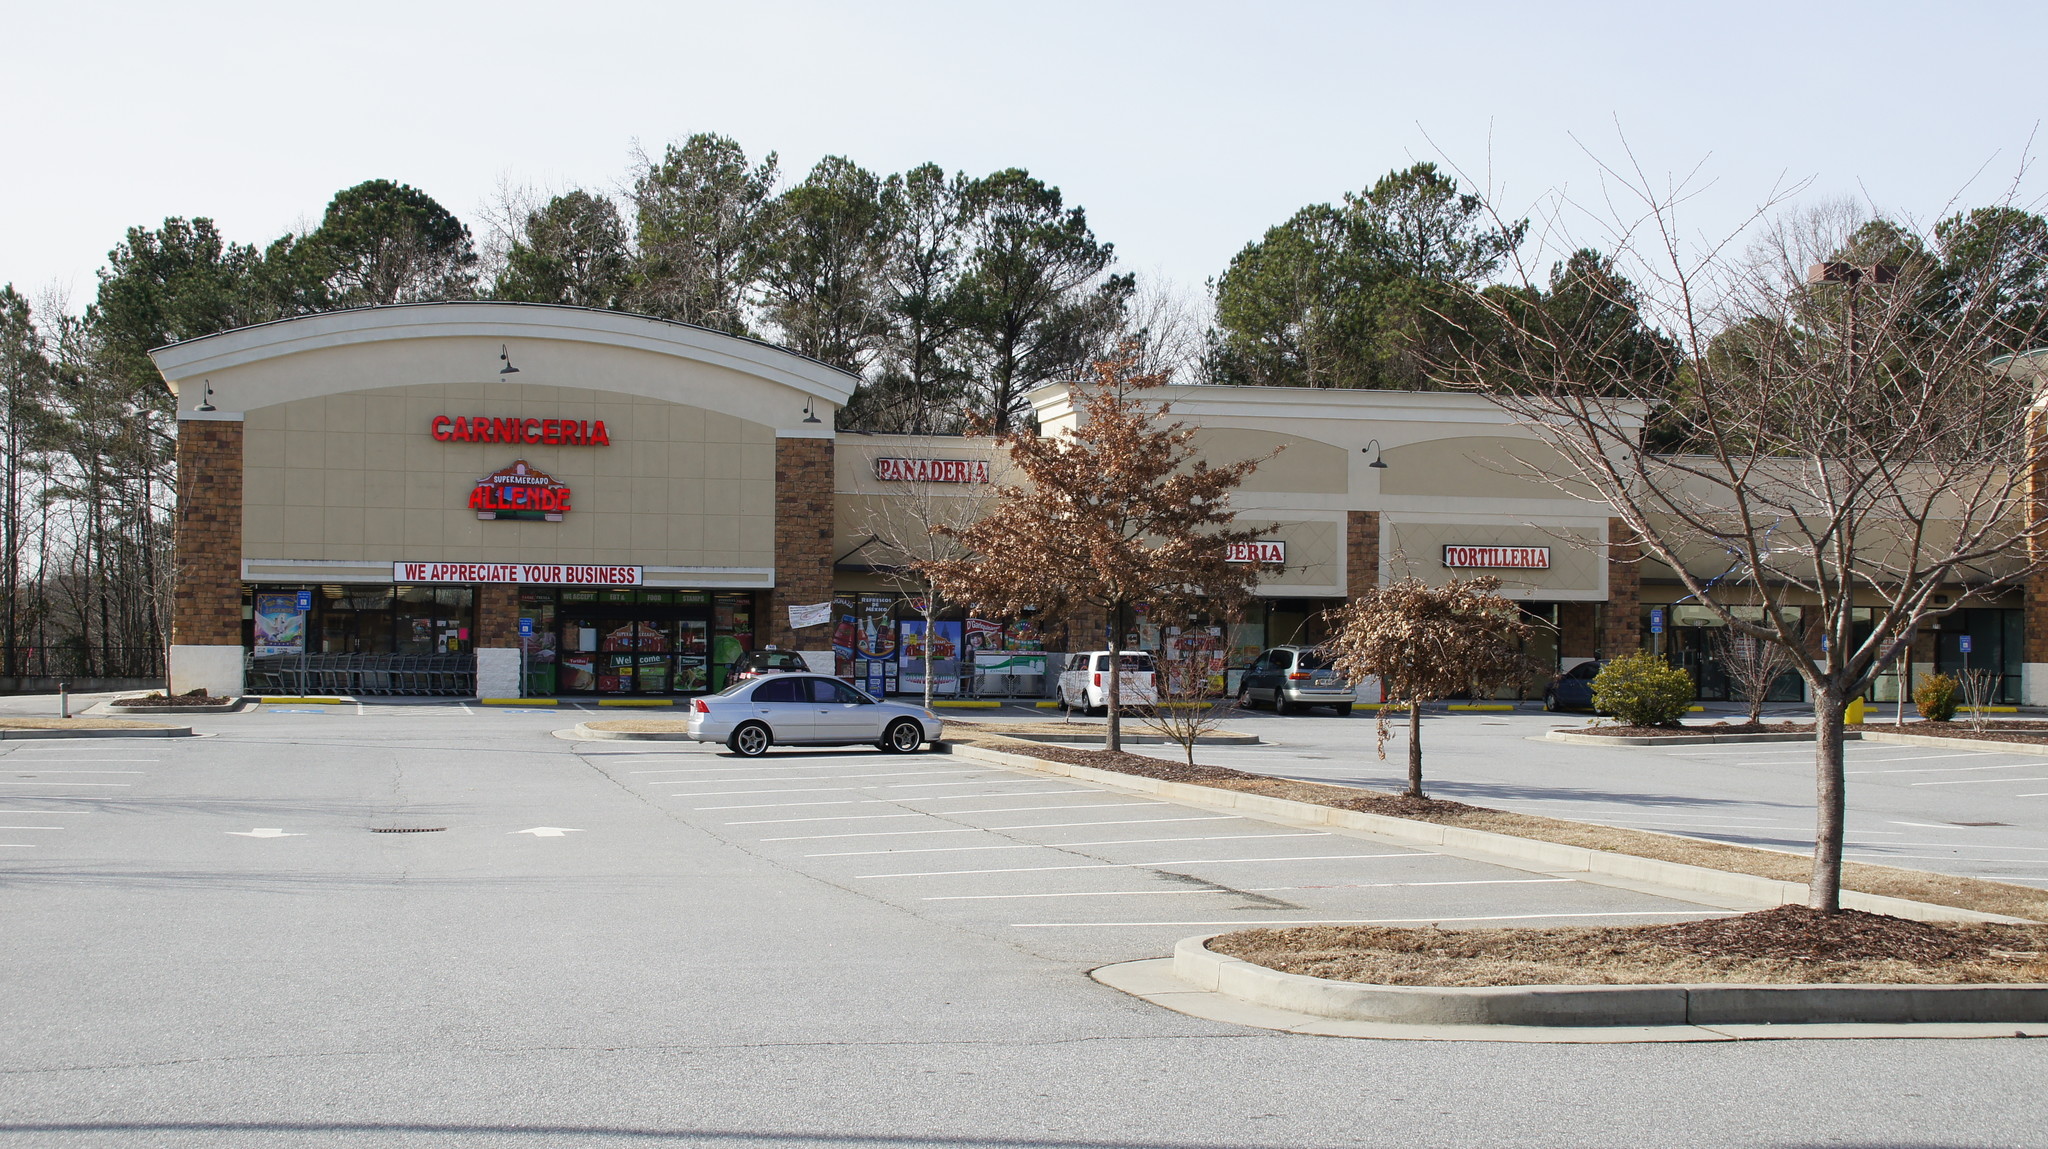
x=364, y=674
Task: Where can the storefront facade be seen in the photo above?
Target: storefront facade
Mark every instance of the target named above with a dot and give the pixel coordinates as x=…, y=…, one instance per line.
x=513, y=500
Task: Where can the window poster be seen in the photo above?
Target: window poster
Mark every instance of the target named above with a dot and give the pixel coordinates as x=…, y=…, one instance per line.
x=1023, y=635
x=280, y=625
x=983, y=635
x=943, y=640
x=845, y=638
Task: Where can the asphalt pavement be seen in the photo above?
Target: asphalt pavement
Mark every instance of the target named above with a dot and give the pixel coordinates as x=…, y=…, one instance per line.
x=442, y=925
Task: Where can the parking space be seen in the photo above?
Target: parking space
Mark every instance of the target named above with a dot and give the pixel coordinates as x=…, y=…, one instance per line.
x=1965, y=812
x=1074, y=870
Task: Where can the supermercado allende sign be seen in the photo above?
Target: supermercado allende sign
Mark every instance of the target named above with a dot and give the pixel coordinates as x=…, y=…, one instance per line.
x=538, y=574
x=1498, y=558
x=1257, y=551
x=932, y=470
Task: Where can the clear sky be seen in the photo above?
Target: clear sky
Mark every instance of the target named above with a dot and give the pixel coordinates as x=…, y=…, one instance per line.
x=1184, y=128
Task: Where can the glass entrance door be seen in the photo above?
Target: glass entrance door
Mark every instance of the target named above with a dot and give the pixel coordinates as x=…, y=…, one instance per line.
x=621, y=642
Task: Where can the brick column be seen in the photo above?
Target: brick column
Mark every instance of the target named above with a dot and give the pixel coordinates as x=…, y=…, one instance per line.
x=1577, y=636
x=803, y=541
x=496, y=641
x=1622, y=628
x=1361, y=552
x=206, y=599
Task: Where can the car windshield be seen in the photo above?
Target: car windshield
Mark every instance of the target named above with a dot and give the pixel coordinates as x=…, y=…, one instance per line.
x=774, y=660
x=1310, y=660
x=737, y=686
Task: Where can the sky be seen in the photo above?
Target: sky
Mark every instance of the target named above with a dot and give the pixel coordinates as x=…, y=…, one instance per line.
x=1185, y=129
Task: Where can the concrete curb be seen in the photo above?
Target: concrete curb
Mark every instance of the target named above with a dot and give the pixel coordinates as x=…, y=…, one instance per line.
x=151, y=732
x=1937, y=740
x=1519, y=853
x=1674, y=740
x=235, y=707
x=1607, y=1005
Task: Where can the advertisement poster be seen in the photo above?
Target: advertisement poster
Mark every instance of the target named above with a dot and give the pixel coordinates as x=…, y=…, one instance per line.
x=1024, y=635
x=944, y=642
x=983, y=635
x=877, y=627
x=845, y=639
x=280, y=625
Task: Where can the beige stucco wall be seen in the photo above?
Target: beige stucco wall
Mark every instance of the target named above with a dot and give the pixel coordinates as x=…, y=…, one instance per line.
x=357, y=476
x=1578, y=565
x=1287, y=462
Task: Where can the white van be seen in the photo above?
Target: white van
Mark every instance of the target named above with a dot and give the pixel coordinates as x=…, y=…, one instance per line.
x=1084, y=684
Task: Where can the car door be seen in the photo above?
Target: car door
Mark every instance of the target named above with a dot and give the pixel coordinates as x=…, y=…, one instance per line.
x=839, y=713
x=783, y=701
x=1274, y=676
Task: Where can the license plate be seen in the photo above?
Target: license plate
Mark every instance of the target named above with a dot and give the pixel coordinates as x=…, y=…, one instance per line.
x=1325, y=680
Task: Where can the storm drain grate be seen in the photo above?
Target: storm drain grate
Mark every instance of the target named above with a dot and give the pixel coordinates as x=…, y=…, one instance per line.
x=407, y=829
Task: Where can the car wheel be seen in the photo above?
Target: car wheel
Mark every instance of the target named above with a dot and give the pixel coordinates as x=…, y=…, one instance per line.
x=1281, y=705
x=1097, y=711
x=1244, y=699
x=903, y=737
x=1343, y=709
x=1550, y=700
x=751, y=740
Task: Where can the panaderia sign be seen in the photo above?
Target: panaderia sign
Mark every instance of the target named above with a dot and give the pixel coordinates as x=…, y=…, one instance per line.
x=932, y=470
x=537, y=574
x=1498, y=558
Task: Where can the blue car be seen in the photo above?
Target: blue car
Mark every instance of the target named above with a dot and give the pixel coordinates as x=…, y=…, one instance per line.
x=1572, y=690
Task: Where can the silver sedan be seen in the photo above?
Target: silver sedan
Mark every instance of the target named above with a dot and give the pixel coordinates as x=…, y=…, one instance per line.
x=807, y=710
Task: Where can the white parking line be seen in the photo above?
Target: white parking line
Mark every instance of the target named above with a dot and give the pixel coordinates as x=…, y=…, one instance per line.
x=15, y=846
x=1061, y=846
x=1384, y=921
x=846, y=789
x=1148, y=865
x=1245, y=890
x=984, y=829
x=1977, y=781
x=834, y=778
x=117, y=785
x=31, y=827
x=40, y=770
x=867, y=834
x=832, y=818
x=1947, y=858
x=1950, y=769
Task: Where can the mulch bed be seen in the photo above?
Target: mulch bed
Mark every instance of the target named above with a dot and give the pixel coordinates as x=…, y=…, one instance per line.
x=2033, y=732
x=192, y=698
x=1785, y=945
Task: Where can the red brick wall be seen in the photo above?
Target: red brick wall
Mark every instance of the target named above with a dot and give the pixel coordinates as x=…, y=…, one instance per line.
x=803, y=541
x=206, y=602
x=1361, y=552
x=1622, y=622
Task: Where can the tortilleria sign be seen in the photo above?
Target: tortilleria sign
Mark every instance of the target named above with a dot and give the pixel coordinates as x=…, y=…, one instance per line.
x=539, y=574
x=1498, y=558
x=932, y=470
x=1258, y=551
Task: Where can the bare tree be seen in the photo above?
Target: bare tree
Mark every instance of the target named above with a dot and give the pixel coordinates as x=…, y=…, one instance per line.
x=912, y=532
x=1189, y=706
x=1425, y=643
x=1752, y=665
x=1834, y=416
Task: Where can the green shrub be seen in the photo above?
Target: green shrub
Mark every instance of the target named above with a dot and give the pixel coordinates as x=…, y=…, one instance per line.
x=1937, y=696
x=1642, y=689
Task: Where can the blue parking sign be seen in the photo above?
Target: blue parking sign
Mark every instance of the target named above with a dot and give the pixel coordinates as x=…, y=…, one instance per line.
x=1965, y=640
x=305, y=601
x=526, y=628
x=1656, y=622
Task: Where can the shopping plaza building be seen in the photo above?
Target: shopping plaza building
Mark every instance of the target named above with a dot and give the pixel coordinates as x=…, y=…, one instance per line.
x=522, y=500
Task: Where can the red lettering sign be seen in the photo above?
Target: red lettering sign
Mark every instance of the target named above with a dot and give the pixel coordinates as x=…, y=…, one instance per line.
x=1257, y=551
x=1498, y=558
x=520, y=491
x=538, y=574
x=537, y=432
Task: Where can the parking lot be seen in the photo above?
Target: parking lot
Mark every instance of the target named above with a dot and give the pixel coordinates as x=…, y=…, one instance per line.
x=442, y=925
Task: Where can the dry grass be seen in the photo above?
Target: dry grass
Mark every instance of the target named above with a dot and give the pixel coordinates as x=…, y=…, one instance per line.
x=642, y=725
x=79, y=724
x=1788, y=945
x=1915, y=885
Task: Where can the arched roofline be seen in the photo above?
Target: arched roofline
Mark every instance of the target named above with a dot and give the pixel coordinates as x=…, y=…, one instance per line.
x=503, y=321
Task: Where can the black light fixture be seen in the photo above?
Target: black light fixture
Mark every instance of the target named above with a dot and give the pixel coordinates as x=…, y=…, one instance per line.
x=808, y=416
x=1377, y=463
x=206, y=397
x=507, y=369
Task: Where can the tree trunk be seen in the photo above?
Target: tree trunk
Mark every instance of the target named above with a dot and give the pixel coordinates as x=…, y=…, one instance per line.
x=930, y=627
x=1115, y=741
x=1414, y=748
x=1824, y=892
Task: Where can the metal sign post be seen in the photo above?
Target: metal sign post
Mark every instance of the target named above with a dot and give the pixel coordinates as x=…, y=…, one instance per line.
x=305, y=605
x=525, y=635
x=1657, y=632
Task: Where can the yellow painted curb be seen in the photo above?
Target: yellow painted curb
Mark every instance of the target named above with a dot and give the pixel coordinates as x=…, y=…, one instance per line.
x=327, y=701
x=1053, y=705
x=518, y=702
x=1481, y=706
x=1990, y=709
x=964, y=705
x=636, y=702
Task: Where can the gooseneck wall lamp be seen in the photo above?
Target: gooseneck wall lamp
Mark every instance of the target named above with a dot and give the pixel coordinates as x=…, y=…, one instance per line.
x=505, y=355
x=1377, y=463
x=206, y=397
x=809, y=417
